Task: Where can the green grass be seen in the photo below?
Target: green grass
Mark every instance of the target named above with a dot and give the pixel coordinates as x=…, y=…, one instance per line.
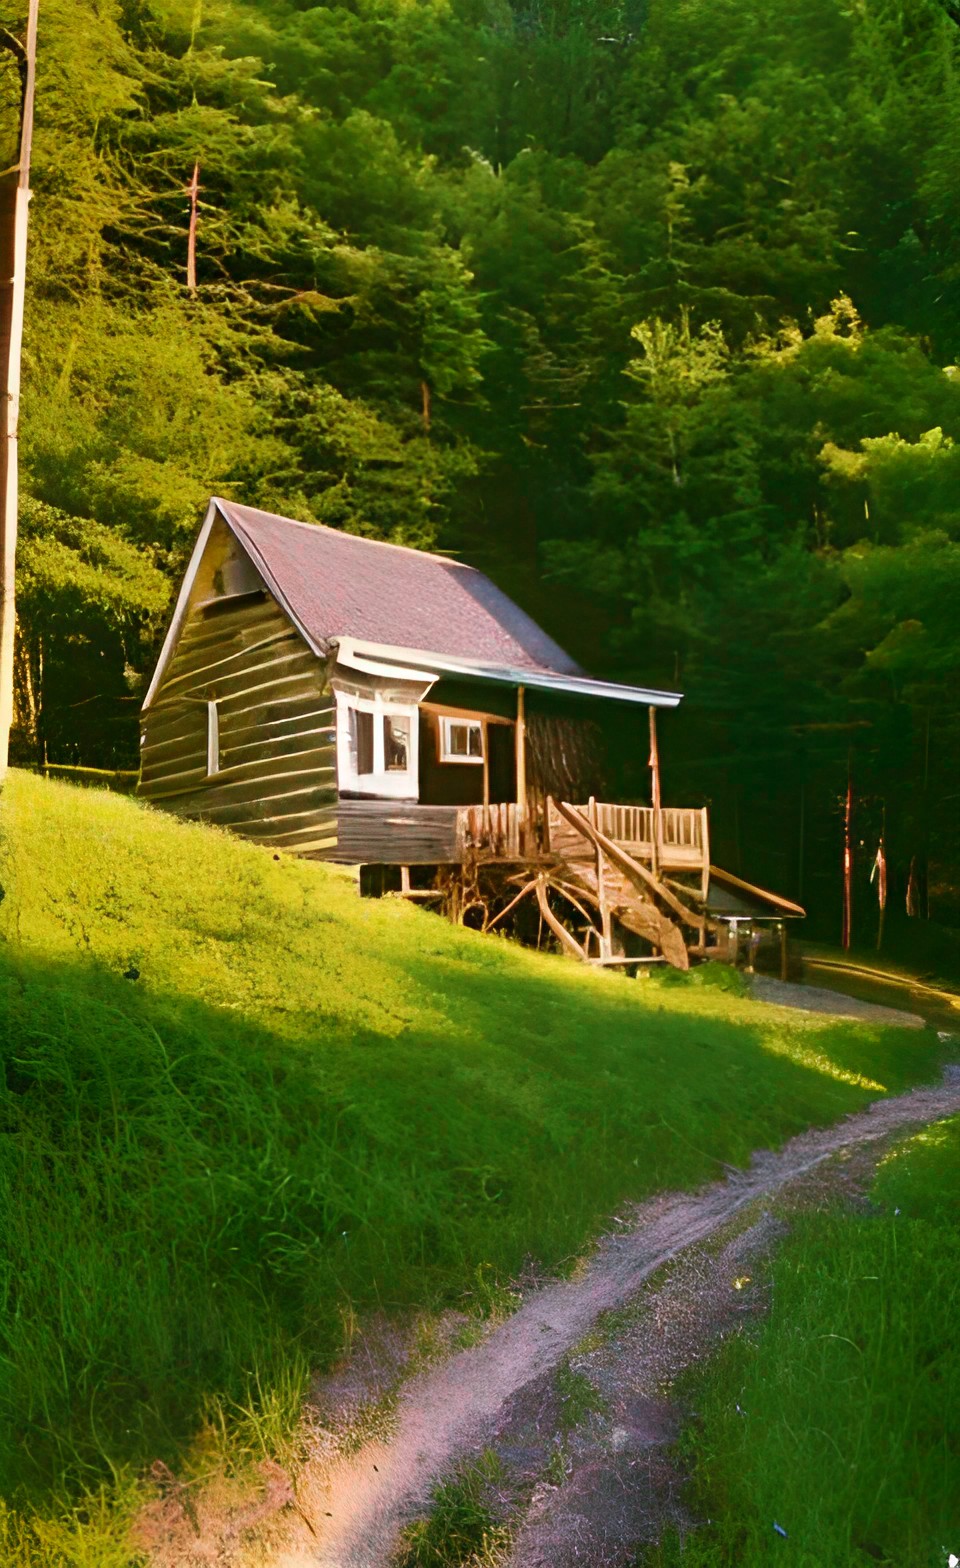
x=850, y=1439
x=308, y=1106
x=578, y=1398
x=461, y=1530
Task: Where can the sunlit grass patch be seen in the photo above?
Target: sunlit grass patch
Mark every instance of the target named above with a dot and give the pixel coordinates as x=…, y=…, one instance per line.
x=794, y=1047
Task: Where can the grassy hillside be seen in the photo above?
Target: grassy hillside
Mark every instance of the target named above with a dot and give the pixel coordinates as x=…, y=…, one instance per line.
x=242, y=1105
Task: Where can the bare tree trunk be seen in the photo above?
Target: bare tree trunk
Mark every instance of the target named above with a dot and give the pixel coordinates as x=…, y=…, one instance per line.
x=14, y=200
x=847, y=936
x=26, y=707
x=192, y=191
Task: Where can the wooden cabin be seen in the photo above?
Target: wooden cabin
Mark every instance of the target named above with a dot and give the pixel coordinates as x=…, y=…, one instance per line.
x=349, y=700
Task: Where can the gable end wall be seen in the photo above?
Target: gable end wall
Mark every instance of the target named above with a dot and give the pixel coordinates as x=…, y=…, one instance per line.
x=276, y=782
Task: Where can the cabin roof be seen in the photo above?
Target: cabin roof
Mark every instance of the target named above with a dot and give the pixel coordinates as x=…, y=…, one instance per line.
x=340, y=589
x=340, y=585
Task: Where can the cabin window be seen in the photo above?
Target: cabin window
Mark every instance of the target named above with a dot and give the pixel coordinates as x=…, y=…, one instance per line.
x=361, y=723
x=396, y=743
x=461, y=740
x=376, y=746
x=213, y=739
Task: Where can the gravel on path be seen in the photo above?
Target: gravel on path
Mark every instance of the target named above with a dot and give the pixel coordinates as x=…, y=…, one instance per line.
x=817, y=999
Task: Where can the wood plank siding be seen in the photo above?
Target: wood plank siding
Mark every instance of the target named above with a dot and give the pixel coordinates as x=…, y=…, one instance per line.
x=274, y=775
x=395, y=833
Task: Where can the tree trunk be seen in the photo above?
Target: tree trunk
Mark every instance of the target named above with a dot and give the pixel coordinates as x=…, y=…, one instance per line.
x=14, y=200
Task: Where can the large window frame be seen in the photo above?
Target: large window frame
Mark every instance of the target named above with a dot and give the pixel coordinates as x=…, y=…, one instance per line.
x=380, y=778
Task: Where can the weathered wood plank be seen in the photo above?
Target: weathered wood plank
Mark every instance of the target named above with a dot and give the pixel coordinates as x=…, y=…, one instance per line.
x=244, y=619
x=176, y=766
x=311, y=712
x=290, y=812
x=268, y=778
x=316, y=845
x=395, y=833
x=261, y=787
x=281, y=654
x=233, y=761
x=265, y=746
x=224, y=659
x=259, y=678
x=157, y=732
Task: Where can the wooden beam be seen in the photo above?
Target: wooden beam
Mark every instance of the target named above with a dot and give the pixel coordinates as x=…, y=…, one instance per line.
x=445, y=711
x=527, y=888
x=521, y=748
x=655, y=791
x=728, y=877
x=604, y=963
x=560, y=932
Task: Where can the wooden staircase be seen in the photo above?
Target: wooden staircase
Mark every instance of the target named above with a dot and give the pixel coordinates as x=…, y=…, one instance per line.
x=599, y=871
x=629, y=894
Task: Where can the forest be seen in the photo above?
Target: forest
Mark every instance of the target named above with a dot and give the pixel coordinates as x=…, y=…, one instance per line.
x=648, y=308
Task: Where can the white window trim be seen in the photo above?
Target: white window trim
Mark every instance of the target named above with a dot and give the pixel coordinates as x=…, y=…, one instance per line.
x=393, y=785
x=446, y=752
x=213, y=739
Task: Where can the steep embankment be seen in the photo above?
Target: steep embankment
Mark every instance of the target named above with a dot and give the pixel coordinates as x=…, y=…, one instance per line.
x=245, y=1106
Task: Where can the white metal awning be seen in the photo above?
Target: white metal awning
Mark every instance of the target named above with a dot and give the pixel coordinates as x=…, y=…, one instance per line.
x=415, y=663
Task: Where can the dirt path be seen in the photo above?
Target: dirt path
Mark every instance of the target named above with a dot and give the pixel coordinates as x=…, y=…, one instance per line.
x=817, y=999
x=357, y=1507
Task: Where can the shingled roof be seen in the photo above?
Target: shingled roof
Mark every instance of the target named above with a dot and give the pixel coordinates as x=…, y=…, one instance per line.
x=338, y=585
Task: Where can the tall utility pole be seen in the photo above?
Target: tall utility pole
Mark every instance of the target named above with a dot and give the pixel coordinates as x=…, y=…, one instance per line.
x=14, y=202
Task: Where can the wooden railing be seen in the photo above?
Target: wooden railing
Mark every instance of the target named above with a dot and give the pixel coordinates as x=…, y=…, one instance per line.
x=676, y=838
x=680, y=827
x=496, y=830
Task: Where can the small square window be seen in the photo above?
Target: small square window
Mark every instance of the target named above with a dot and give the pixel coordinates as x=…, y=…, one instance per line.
x=461, y=740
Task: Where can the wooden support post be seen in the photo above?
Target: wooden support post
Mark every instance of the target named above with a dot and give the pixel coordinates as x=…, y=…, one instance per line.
x=485, y=743
x=784, y=955
x=404, y=879
x=606, y=920
x=567, y=943
x=521, y=740
x=655, y=792
x=734, y=943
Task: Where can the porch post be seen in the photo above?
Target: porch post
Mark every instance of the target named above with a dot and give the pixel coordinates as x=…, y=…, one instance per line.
x=521, y=758
x=485, y=743
x=655, y=791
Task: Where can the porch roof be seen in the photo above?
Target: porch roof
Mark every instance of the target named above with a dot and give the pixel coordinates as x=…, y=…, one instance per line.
x=386, y=659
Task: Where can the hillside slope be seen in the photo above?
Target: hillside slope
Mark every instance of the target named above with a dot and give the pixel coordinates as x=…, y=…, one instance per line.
x=245, y=1105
